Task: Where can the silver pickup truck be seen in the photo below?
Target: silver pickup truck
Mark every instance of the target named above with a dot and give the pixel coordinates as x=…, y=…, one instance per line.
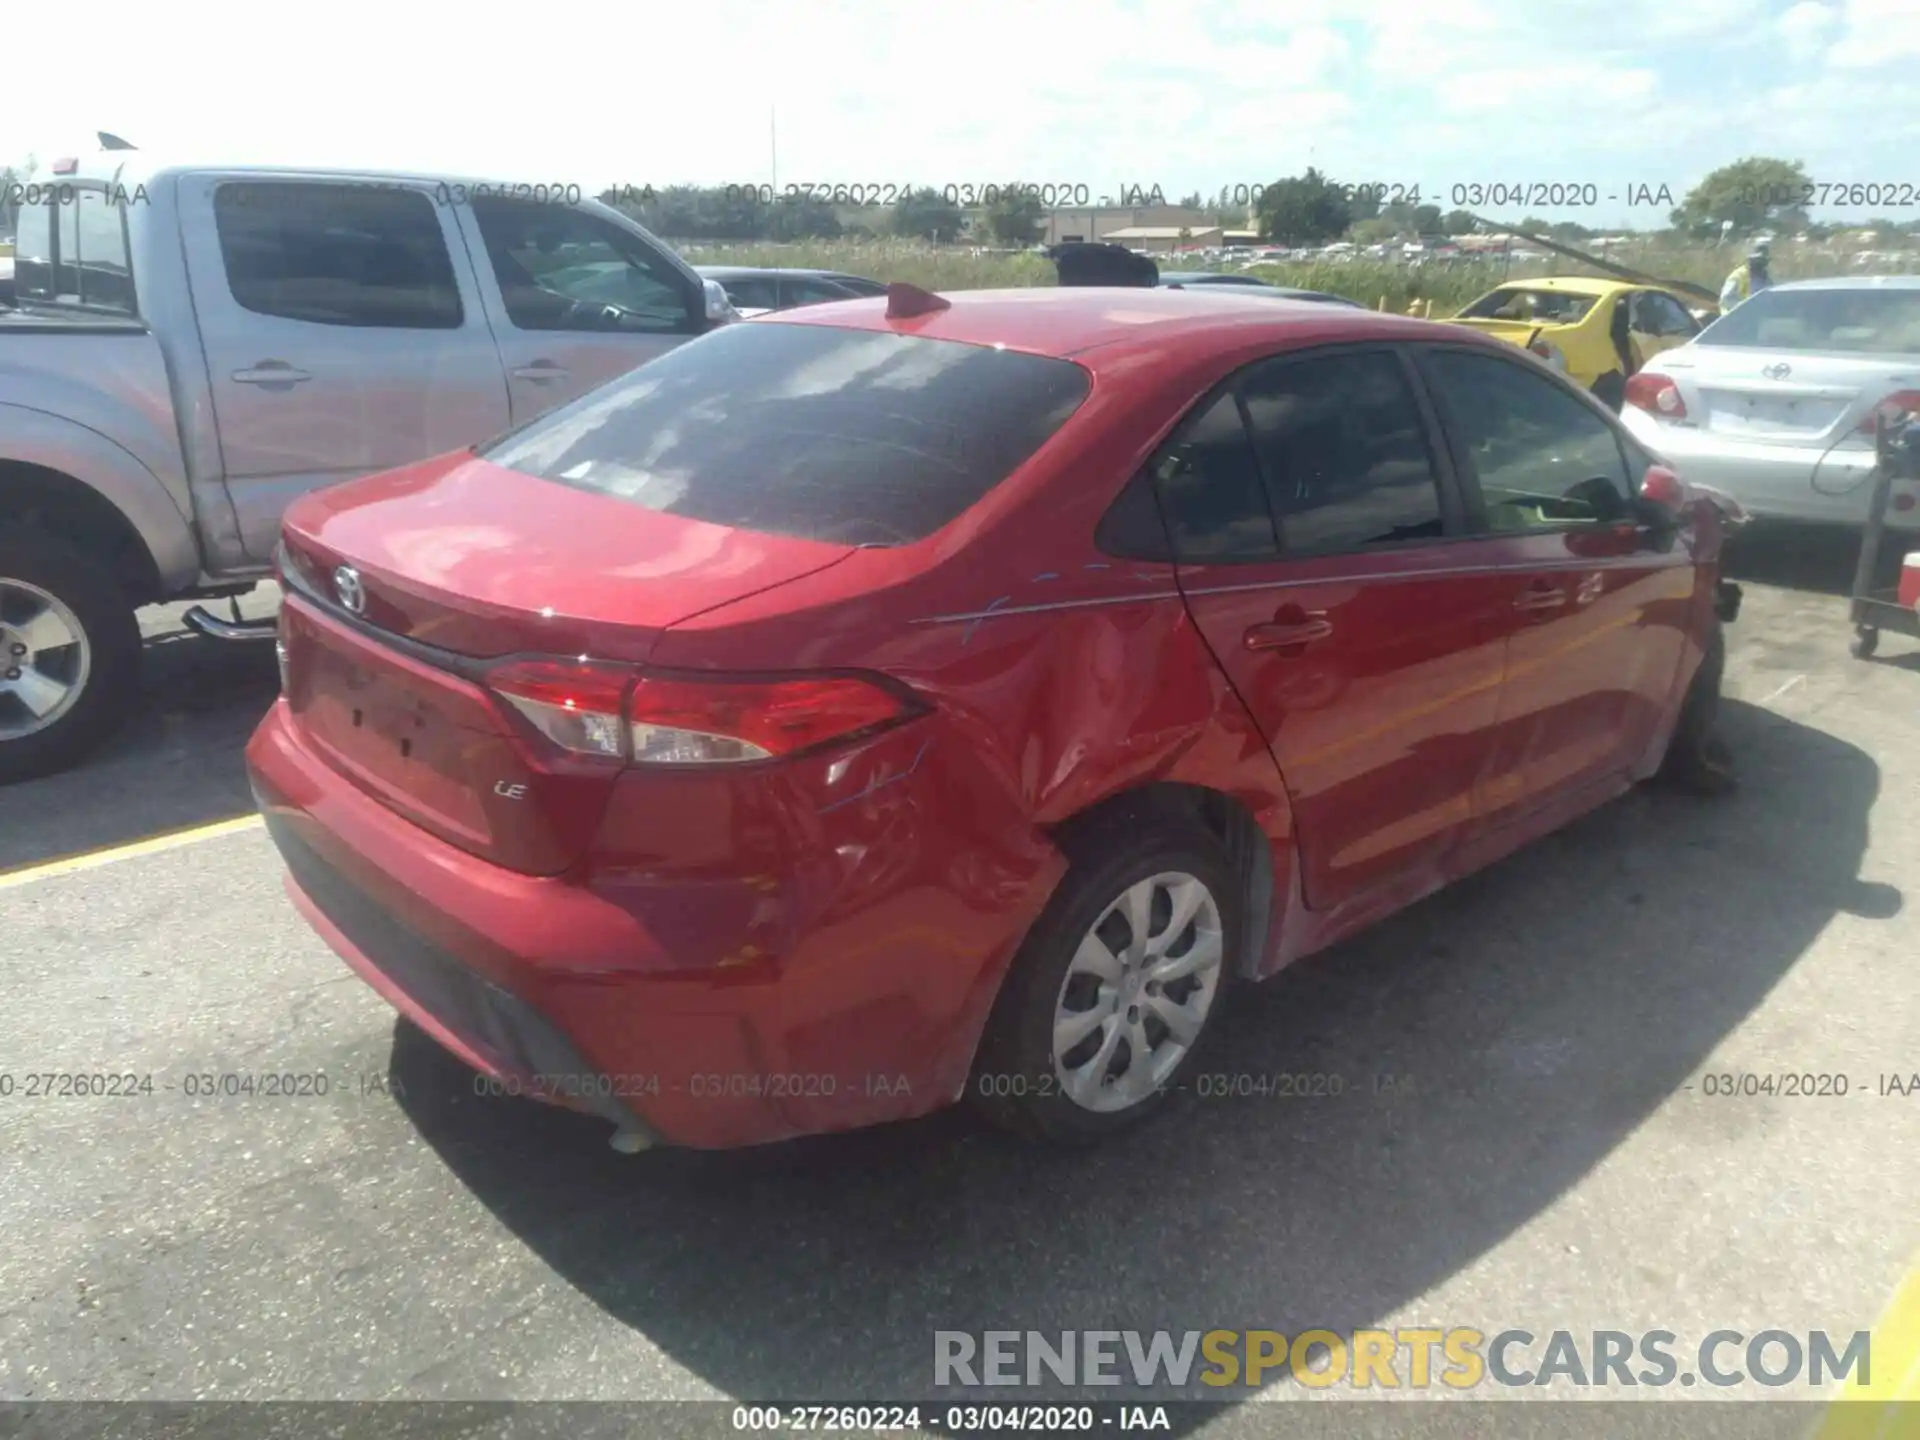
x=195, y=345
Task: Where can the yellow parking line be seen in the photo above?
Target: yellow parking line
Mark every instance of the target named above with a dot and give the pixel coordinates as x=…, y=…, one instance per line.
x=1887, y=1407
x=152, y=845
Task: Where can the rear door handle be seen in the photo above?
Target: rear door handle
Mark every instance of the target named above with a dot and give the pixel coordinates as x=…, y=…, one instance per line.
x=540, y=371
x=1540, y=597
x=270, y=372
x=1281, y=634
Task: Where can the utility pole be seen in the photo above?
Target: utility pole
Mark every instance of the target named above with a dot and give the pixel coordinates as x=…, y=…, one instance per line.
x=773, y=149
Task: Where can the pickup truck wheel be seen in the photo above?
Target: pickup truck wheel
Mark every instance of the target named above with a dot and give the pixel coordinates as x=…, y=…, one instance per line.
x=69, y=655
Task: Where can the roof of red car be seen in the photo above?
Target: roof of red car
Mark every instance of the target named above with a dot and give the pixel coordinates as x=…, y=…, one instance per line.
x=1064, y=322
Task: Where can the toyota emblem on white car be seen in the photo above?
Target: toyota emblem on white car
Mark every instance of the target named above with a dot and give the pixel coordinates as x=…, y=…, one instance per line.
x=1777, y=372
x=353, y=594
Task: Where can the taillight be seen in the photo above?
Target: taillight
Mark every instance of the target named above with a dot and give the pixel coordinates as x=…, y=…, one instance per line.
x=613, y=711
x=701, y=722
x=1895, y=410
x=1657, y=395
x=575, y=704
x=1549, y=352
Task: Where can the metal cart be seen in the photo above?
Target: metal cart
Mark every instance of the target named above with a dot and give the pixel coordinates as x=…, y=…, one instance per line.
x=1897, y=457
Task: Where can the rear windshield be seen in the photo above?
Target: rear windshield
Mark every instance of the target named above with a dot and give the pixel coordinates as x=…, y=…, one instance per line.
x=1862, y=322
x=847, y=436
x=1530, y=307
x=72, y=249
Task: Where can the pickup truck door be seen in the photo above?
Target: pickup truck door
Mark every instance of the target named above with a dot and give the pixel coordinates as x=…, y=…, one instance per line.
x=344, y=333
x=577, y=297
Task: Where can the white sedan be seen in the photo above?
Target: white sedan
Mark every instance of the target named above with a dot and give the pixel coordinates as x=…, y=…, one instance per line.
x=1774, y=402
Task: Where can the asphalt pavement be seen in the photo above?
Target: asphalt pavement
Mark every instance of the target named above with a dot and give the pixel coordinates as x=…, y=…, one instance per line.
x=1544, y=1153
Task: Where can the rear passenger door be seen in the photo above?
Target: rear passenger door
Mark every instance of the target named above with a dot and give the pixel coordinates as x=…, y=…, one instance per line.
x=341, y=334
x=1314, y=524
x=578, y=298
x=1596, y=603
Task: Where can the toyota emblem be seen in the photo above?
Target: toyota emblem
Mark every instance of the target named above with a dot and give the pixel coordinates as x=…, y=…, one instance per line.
x=353, y=594
x=1777, y=372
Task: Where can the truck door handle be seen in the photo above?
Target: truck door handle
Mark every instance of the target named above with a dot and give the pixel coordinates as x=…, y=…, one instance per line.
x=540, y=371
x=270, y=372
x=1536, y=598
x=1279, y=634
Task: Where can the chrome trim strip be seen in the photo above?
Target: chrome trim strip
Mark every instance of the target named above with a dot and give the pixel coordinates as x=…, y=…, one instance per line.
x=1053, y=605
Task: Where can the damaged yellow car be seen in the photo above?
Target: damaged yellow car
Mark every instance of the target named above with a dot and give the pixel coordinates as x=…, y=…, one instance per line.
x=1598, y=331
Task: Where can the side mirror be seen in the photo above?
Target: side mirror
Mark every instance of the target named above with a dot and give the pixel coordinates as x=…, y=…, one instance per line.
x=1663, y=496
x=720, y=310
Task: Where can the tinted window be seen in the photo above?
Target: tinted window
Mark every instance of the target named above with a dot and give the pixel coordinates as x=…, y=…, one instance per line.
x=1345, y=453
x=848, y=436
x=811, y=292
x=860, y=285
x=755, y=294
x=1210, y=491
x=358, y=255
x=100, y=251
x=1868, y=322
x=1657, y=314
x=563, y=269
x=1544, y=460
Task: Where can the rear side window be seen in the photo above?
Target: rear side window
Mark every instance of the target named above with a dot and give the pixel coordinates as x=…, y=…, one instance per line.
x=1837, y=321
x=1210, y=491
x=1344, y=448
x=752, y=293
x=847, y=436
x=356, y=255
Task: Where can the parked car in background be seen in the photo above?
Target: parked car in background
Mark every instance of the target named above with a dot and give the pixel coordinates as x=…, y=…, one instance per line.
x=197, y=345
x=756, y=290
x=876, y=705
x=1250, y=285
x=1599, y=331
x=1774, y=402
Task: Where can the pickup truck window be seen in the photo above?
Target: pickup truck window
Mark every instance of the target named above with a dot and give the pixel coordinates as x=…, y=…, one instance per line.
x=356, y=255
x=562, y=269
x=72, y=250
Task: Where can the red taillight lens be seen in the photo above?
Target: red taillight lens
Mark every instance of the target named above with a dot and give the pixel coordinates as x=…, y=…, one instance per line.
x=1657, y=395
x=594, y=708
x=1894, y=410
x=701, y=722
x=575, y=704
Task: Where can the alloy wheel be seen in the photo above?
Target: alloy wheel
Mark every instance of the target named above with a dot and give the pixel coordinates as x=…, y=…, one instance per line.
x=1137, y=992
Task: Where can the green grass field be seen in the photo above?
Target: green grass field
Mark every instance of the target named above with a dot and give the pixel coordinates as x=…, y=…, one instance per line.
x=1446, y=287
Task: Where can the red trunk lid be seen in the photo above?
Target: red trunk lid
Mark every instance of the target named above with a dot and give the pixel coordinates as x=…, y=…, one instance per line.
x=459, y=561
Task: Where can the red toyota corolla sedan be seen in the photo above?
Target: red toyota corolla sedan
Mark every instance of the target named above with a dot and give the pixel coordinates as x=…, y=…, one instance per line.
x=900, y=700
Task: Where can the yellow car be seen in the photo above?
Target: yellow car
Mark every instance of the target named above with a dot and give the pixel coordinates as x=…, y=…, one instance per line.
x=1598, y=331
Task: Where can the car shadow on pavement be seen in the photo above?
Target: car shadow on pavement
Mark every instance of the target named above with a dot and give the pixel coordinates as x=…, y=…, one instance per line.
x=1531, y=1018
x=176, y=763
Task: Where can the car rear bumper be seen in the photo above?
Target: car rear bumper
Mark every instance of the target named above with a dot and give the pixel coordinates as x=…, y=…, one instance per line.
x=562, y=989
x=1776, y=482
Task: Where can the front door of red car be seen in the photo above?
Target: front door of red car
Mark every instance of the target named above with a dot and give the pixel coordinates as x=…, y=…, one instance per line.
x=1314, y=523
x=1598, y=603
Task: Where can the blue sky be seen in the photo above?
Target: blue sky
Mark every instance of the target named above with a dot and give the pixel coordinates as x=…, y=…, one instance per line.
x=1190, y=95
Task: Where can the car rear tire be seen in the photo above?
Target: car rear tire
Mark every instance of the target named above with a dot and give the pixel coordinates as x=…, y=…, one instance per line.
x=1117, y=985
x=69, y=655
x=1611, y=390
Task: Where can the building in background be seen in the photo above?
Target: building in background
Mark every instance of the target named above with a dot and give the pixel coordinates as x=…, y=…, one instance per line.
x=1099, y=222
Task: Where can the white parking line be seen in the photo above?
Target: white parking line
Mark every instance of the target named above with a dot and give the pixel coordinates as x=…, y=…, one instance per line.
x=1783, y=689
x=152, y=845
